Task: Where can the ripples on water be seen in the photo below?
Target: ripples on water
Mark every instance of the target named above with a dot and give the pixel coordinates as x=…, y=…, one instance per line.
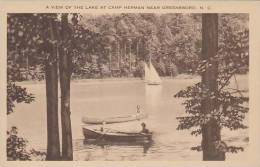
x=113, y=98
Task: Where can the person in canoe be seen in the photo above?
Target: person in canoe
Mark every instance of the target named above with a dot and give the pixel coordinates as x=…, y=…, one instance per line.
x=144, y=129
x=138, y=112
x=103, y=127
x=138, y=109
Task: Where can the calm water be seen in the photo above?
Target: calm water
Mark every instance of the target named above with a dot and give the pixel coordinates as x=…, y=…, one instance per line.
x=113, y=98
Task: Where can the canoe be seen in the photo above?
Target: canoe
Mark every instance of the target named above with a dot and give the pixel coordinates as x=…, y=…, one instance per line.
x=116, y=136
x=110, y=120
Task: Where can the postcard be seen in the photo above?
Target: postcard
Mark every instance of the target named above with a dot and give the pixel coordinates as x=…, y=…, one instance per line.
x=130, y=83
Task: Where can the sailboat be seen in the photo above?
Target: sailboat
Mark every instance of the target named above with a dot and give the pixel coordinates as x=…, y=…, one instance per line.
x=151, y=75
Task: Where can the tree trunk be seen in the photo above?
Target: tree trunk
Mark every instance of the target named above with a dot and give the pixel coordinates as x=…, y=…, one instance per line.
x=211, y=130
x=51, y=75
x=65, y=63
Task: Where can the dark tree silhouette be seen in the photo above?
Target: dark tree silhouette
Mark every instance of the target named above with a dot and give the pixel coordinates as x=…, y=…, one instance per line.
x=211, y=105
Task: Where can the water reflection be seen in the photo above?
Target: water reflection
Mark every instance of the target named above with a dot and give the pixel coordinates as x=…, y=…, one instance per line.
x=152, y=94
x=117, y=99
x=104, y=145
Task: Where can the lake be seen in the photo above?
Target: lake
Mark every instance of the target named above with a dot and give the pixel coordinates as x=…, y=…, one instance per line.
x=101, y=98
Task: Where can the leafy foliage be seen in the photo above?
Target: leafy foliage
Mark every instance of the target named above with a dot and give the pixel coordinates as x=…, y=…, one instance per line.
x=221, y=147
x=230, y=105
x=17, y=94
x=16, y=51
x=16, y=148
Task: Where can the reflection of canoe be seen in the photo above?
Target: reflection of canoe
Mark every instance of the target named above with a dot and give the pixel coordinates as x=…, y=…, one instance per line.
x=102, y=143
x=88, y=120
x=115, y=136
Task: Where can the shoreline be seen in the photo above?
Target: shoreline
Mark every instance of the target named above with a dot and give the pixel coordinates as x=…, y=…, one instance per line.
x=179, y=77
x=124, y=79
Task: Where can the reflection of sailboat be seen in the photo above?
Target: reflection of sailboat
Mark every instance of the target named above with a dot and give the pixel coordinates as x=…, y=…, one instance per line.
x=151, y=75
x=153, y=94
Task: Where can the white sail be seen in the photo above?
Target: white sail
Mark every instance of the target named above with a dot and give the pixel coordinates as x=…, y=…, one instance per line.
x=151, y=76
x=154, y=77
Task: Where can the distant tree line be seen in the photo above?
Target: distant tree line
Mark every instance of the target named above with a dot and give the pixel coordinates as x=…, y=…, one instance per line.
x=117, y=45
